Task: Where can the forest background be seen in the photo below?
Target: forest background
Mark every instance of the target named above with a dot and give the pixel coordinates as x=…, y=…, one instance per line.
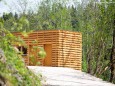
x=94, y=19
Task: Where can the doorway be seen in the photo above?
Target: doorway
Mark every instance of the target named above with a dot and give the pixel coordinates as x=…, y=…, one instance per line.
x=48, y=58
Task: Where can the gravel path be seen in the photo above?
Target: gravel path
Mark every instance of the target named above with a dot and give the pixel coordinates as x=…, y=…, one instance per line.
x=58, y=76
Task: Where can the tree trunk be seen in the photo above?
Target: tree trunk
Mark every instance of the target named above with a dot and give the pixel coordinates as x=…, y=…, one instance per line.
x=112, y=59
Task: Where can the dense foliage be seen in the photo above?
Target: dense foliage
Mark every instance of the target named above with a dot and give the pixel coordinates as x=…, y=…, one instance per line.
x=95, y=20
x=13, y=71
x=12, y=67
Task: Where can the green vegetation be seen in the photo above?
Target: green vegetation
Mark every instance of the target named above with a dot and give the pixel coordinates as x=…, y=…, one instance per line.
x=13, y=71
x=95, y=20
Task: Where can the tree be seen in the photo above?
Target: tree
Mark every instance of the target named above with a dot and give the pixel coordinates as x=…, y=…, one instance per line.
x=112, y=58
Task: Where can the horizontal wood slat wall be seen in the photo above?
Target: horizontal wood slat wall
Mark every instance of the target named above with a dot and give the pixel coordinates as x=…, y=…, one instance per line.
x=66, y=47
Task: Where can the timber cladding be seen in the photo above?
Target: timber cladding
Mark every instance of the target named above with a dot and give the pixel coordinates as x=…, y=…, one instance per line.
x=63, y=48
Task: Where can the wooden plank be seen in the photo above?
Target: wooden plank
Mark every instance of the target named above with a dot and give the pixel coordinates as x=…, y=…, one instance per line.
x=65, y=44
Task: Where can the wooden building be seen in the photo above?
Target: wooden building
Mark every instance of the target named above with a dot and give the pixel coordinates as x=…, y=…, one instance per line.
x=63, y=48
